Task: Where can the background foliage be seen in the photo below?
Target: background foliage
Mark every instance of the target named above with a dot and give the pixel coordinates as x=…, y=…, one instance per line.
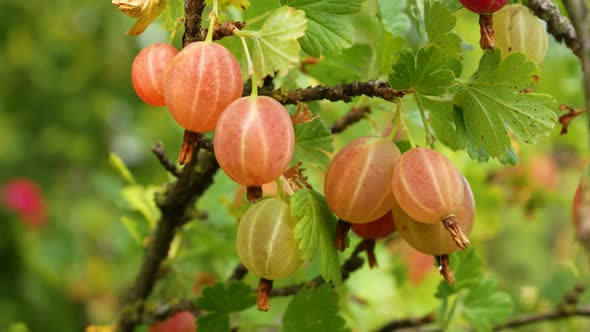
x=66, y=103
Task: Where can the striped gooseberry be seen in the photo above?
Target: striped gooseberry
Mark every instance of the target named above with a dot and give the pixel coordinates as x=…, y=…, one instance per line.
x=433, y=239
x=202, y=80
x=429, y=188
x=149, y=70
x=358, y=181
x=518, y=30
x=266, y=244
x=254, y=140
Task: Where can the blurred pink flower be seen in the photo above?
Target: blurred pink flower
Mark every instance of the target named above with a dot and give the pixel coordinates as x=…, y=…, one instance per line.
x=24, y=196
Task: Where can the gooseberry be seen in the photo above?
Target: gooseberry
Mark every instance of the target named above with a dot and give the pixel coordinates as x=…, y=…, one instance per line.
x=357, y=184
x=428, y=187
x=202, y=80
x=518, y=30
x=254, y=140
x=149, y=70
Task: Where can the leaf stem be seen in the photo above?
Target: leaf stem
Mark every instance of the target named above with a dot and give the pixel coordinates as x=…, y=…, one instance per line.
x=429, y=137
x=400, y=110
x=212, y=19
x=251, y=72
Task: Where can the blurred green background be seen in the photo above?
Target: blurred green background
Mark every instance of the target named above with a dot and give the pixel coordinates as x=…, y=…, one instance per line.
x=66, y=103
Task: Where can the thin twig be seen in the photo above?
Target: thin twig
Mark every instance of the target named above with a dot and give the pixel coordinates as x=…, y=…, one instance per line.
x=353, y=116
x=350, y=265
x=541, y=317
x=558, y=25
x=239, y=272
x=158, y=150
x=408, y=322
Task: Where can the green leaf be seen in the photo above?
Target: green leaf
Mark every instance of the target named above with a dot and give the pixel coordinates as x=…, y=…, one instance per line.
x=172, y=12
x=214, y=322
x=222, y=298
x=467, y=268
x=492, y=104
x=452, y=5
x=312, y=141
x=142, y=200
x=442, y=121
x=485, y=306
x=439, y=24
x=427, y=74
x=393, y=16
x=225, y=4
x=316, y=232
x=323, y=317
x=328, y=30
x=120, y=167
x=276, y=48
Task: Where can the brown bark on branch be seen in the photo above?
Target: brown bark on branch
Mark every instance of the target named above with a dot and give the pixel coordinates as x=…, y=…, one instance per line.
x=353, y=116
x=580, y=16
x=558, y=25
x=344, y=92
x=408, y=322
x=543, y=317
x=176, y=207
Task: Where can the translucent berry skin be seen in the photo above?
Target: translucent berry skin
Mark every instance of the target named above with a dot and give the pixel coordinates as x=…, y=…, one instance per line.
x=182, y=321
x=149, y=70
x=202, y=80
x=434, y=239
x=518, y=30
x=427, y=186
x=358, y=181
x=376, y=229
x=254, y=140
x=484, y=6
x=265, y=243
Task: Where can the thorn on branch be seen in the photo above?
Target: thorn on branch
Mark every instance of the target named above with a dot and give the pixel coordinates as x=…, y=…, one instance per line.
x=568, y=117
x=159, y=152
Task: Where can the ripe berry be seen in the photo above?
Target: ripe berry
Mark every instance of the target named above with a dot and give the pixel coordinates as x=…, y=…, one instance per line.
x=433, y=239
x=428, y=187
x=377, y=229
x=182, y=321
x=357, y=184
x=202, y=80
x=484, y=6
x=254, y=140
x=148, y=72
x=518, y=30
